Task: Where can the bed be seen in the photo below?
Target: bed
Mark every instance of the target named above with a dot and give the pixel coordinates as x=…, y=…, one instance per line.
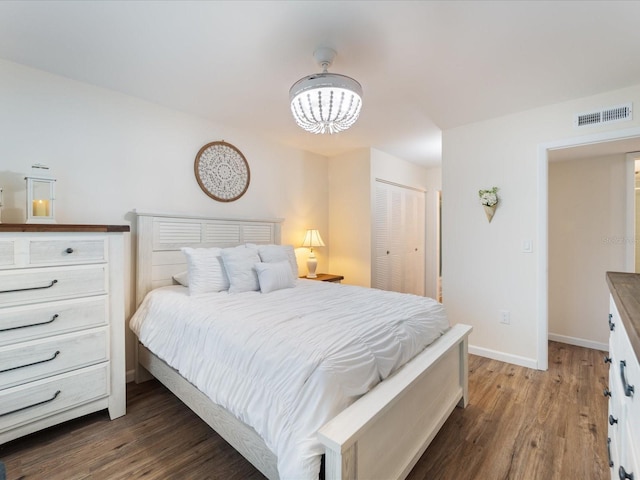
x=380, y=435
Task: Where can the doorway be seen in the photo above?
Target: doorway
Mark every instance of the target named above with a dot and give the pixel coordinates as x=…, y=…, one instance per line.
x=604, y=143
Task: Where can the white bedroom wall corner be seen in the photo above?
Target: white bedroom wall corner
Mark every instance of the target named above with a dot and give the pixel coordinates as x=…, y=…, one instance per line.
x=349, y=216
x=432, y=219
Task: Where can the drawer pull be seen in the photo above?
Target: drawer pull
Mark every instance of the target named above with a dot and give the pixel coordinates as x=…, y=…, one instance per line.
x=612, y=420
x=30, y=324
x=622, y=473
x=607, y=359
x=69, y=250
x=612, y=325
x=53, y=357
x=55, y=395
x=607, y=393
x=53, y=282
x=628, y=389
x=609, y=452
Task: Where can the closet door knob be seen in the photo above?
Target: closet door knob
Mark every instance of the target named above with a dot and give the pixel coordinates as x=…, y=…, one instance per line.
x=69, y=250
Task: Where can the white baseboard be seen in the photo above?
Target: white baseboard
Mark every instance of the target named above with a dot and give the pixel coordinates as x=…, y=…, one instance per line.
x=579, y=342
x=503, y=357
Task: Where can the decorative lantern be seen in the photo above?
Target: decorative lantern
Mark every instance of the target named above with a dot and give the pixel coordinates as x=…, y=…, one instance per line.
x=40, y=195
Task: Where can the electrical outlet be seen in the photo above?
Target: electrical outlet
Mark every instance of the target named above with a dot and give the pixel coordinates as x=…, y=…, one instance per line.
x=505, y=317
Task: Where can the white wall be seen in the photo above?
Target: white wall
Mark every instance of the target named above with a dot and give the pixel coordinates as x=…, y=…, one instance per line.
x=587, y=221
x=484, y=268
x=350, y=219
x=112, y=153
x=434, y=187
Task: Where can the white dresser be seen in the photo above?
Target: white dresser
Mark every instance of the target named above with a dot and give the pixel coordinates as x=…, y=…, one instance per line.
x=61, y=324
x=623, y=441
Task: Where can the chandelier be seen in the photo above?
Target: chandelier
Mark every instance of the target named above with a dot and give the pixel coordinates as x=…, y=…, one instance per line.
x=325, y=102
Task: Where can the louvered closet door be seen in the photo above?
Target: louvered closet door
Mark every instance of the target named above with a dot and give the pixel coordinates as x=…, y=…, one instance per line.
x=381, y=271
x=398, y=239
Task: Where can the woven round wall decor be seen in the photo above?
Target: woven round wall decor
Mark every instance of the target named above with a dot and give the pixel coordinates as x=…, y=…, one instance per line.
x=222, y=171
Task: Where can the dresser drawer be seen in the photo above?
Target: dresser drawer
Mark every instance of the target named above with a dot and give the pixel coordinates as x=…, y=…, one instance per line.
x=7, y=253
x=36, y=400
x=19, y=324
x=70, y=251
x=28, y=361
x=27, y=286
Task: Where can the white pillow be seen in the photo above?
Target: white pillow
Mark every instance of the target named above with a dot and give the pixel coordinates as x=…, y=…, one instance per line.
x=206, y=272
x=275, y=276
x=239, y=263
x=182, y=278
x=279, y=253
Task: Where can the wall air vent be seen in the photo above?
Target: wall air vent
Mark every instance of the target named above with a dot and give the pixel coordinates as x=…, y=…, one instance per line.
x=620, y=113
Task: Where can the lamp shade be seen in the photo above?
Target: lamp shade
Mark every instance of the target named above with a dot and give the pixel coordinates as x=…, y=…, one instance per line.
x=312, y=239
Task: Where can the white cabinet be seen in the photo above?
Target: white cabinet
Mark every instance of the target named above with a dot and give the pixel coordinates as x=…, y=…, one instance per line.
x=61, y=324
x=624, y=400
x=398, y=239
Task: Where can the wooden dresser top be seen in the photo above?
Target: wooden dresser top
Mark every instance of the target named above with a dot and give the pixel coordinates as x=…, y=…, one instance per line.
x=57, y=227
x=625, y=289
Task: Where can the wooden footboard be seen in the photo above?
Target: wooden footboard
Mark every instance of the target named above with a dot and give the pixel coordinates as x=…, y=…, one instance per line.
x=385, y=432
x=382, y=435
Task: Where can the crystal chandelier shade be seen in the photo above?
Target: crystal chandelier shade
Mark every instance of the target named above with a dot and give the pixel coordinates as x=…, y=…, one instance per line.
x=325, y=102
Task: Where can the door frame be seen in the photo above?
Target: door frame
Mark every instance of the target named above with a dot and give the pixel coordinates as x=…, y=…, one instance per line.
x=543, y=225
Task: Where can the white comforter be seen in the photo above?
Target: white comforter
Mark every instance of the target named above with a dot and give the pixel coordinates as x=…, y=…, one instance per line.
x=288, y=361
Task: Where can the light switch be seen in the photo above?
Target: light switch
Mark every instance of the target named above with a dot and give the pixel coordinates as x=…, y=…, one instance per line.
x=527, y=246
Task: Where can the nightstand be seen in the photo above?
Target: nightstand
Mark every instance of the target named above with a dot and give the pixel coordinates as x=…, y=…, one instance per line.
x=327, y=277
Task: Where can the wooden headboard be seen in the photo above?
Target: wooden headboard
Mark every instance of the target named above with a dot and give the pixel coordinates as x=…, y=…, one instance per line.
x=160, y=237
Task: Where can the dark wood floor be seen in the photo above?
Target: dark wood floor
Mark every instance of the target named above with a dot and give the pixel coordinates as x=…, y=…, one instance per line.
x=520, y=424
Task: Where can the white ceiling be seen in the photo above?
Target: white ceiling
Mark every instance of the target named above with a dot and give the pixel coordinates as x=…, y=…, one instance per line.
x=424, y=66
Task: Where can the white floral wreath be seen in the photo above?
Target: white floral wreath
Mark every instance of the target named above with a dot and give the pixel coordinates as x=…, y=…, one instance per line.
x=489, y=197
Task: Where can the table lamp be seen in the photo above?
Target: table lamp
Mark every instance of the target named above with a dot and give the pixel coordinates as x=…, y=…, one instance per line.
x=312, y=239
